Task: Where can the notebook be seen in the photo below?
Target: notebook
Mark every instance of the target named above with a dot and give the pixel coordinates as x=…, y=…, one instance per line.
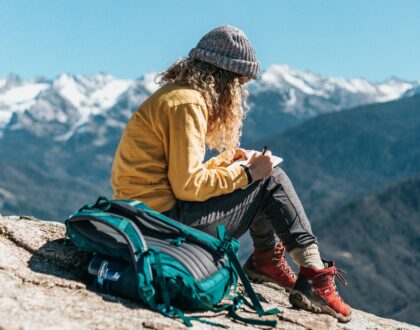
x=276, y=161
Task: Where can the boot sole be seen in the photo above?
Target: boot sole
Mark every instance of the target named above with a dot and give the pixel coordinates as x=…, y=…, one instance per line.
x=298, y=299
x=260, y=277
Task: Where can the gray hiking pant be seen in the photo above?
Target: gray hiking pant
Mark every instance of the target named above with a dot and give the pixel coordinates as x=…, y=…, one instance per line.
x=267, y=207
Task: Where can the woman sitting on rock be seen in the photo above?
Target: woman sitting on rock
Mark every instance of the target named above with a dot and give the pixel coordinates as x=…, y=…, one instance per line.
x=160, y=161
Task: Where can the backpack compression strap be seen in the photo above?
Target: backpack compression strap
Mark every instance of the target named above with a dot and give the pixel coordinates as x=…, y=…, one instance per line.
x=166, y=308
x=255, y=304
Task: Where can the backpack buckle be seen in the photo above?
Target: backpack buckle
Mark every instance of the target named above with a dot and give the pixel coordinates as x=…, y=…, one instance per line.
x=226, y=245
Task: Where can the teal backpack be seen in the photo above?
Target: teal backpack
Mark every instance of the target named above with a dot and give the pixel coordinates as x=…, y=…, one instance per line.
x=142, y=255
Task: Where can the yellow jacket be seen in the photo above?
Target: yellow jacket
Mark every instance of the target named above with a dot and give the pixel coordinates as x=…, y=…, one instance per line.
x=161, y=152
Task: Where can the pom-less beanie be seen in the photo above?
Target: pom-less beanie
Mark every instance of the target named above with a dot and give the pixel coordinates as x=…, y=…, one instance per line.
x=228, y=48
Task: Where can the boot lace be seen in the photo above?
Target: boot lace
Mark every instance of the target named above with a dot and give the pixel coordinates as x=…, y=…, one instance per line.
x=339, y=274
x=280, y=258
x=336, y=272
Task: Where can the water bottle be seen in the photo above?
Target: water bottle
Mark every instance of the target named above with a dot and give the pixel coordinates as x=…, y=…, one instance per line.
x=105, y=271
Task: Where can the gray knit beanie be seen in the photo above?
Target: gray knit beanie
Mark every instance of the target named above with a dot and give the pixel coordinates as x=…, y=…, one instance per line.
x=228, y=48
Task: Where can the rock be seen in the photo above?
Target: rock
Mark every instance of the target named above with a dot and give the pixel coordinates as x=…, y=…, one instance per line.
x=42, y=287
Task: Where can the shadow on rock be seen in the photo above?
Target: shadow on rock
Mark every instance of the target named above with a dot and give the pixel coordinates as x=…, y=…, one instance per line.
x=62, y=259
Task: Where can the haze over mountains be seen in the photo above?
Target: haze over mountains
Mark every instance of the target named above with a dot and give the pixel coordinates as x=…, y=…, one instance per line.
x=58, y=138
x=65, y=131
x=335, y=157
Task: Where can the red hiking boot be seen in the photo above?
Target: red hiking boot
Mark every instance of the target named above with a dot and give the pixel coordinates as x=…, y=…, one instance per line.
x=315, y=291
x=271, y=266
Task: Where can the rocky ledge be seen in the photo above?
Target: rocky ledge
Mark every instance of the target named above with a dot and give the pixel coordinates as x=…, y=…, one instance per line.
x=41, y=287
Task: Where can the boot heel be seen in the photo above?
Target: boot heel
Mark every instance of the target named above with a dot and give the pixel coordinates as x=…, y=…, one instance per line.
x=297, y=299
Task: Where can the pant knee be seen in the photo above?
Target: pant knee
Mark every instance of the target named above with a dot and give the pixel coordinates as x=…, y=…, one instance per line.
x=279, y=176
x=277, y=171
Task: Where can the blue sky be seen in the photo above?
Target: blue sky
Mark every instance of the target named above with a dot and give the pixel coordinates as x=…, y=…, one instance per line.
x=370, y=39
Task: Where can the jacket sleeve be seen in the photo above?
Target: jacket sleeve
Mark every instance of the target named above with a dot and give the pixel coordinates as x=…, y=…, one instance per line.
x=190, y=180
x=217, y=161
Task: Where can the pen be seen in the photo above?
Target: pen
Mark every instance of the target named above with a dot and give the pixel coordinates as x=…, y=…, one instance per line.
x=264, y=150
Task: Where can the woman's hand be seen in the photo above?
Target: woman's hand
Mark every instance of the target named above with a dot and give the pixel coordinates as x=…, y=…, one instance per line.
x=260, y=165
x=239, y=154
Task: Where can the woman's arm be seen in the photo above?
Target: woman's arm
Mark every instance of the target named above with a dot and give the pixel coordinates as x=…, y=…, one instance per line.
x=220, y=159
x=189, y=178
x=217, y=161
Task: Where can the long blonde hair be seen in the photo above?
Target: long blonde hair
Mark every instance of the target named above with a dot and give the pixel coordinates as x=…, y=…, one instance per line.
x=225, y=97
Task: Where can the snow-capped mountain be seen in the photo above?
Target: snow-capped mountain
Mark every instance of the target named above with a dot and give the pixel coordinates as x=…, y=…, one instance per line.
x=17, y=96
x=339, y=93
x=284, y=97
x=70, y=104
x=61, y=106
x=413, y=91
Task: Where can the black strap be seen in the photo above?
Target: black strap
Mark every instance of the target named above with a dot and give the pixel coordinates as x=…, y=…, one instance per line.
x=248, y=173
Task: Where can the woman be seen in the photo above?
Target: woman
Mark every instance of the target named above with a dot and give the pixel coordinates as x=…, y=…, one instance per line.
x=160, y=161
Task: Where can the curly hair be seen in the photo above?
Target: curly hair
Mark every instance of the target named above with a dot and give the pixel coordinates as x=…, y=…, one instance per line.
x=225, y=97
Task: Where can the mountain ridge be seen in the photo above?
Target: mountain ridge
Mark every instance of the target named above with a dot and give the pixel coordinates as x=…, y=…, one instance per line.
x=380, y=249
x=298, y=95
x=337, y=156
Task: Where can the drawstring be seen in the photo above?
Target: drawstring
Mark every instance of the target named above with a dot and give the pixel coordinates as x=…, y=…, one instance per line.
x=335, y=272
x=339, y=274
